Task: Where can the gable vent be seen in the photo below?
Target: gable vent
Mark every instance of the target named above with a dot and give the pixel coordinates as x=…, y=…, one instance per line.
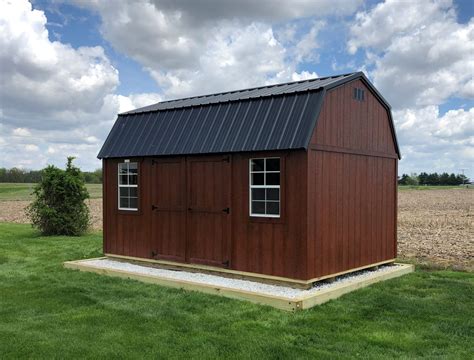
x=358, y=94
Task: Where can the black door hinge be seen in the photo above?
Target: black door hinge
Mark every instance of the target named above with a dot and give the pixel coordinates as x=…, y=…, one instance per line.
x=226, y=263
x=226, y=159
x=153, y=253
x=226, y=210
x=153, y=207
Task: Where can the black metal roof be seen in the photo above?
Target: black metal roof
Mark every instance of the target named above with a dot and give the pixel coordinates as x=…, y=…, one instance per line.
x=274, y=117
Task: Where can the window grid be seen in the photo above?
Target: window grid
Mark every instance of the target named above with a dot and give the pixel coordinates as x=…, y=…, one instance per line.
x=271, y=205
x=128, y=186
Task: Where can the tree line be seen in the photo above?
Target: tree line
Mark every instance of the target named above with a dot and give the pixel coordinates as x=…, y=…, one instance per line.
x=433, y=179
x=16, y=175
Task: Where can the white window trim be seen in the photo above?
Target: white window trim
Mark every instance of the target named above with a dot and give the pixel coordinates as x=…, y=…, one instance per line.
x=264, y=187
x=125, y=186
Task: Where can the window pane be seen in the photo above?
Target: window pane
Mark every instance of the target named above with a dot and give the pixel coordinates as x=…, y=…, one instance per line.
x=273, y=179
x=257, y=164
x=132, y=179
x=123, y=202
x=257, y=179
x=273, y=208
x=258, y=194
x=133, y=203
x=123, y=168
x=273, y=165
x=273, y=194
x=258, y=207
x=133, y=168
x=123, y=179
x=133, y=192
x=124, y=191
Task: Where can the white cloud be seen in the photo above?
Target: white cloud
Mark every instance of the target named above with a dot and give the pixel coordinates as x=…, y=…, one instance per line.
x=47, y=80
x=31, y=147
x=21, y=132
x=192, y=48
x=432, y=142
x=304, y=75
x=55, y=100
x=419, y=57
x=420, y=54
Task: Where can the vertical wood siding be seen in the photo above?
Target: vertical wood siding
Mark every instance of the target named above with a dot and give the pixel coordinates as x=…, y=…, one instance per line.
x=127, y=232
x=268, y=246
x=350, y=124
x=168, y=219
x=264, y=245
x=352, y=171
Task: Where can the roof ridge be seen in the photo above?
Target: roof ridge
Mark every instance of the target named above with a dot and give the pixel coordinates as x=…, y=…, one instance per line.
x=314, y=84
x=257, y=87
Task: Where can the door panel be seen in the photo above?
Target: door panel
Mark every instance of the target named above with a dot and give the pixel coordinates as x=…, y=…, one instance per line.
x=208, y=220
x=169, y=209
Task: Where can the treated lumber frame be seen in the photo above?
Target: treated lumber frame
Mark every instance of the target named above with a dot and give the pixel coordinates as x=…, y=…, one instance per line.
x=279, y=302
x=264, y=299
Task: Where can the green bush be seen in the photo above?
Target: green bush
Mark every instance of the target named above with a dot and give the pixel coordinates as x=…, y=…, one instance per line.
x=58, y=207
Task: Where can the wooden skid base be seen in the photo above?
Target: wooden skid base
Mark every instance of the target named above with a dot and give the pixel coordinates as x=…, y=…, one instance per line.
x=283, y=303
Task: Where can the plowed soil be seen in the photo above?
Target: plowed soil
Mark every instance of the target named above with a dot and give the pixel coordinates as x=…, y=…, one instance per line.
x=434, y=226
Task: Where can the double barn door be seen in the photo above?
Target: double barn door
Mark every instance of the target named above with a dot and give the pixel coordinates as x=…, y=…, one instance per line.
x=191, y=210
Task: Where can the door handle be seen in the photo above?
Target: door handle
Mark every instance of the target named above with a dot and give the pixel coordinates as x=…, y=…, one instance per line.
x=226, y=210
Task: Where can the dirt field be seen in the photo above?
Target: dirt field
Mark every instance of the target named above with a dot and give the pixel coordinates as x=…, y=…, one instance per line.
x=14, y=211
x=434, y=227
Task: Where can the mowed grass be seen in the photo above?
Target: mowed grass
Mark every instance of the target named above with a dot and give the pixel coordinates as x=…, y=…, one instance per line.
x=23, y=191
x=47, y=311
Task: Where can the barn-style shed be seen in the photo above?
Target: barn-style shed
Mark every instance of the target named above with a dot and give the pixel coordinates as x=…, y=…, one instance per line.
x=294, y=181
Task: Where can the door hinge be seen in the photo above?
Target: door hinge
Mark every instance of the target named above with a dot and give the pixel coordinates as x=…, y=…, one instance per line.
x=226, y=210
x=154, y=207
x=226, y=263
x=153, y=253
x=226, y=159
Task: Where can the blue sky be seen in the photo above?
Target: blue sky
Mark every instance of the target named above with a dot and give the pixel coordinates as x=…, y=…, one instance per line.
x=102, y=57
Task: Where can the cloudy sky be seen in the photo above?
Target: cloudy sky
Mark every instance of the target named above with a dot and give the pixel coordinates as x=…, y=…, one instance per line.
x=68, y=67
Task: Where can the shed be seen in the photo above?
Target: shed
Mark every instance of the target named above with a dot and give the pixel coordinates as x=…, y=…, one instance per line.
x=294, y=181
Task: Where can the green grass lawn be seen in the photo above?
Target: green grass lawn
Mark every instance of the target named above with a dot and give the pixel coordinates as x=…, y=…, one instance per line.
x=47, y=311
x=22, y=191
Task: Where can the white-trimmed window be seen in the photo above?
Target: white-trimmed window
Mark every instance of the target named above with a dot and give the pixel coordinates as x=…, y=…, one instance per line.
x=265, y=187
x=128, y=186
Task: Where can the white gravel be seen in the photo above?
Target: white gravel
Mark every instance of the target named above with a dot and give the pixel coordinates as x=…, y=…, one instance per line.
x=238, y=284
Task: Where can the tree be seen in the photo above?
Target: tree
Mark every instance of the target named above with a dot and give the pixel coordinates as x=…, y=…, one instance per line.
x=412, y=179
x=461, y=179
x=403, y=180
x=59, y=207
x=408, y=180
x=433, y=179
x=423, y=178
x=452, y=179
x=444, y=179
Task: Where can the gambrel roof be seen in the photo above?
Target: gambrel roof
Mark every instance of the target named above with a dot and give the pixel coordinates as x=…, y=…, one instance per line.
x=274, y=117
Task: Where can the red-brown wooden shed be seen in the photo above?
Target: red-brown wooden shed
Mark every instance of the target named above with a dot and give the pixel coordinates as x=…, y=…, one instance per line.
x=295, y=180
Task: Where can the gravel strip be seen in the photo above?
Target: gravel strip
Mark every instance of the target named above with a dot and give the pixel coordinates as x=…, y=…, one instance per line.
x=238, y=284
